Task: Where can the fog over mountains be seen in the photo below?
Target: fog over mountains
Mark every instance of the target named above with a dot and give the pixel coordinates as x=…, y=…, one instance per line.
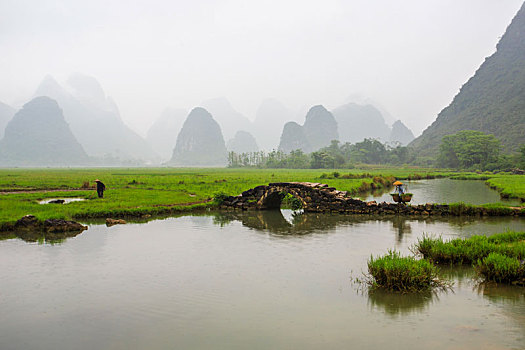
x=242, y=142
x=270, y=116
x=6, y=113
x=318, y=130
x=38, y=135
x=227, y=59
x=162, y=135
x=228, y=118
x=93, y=120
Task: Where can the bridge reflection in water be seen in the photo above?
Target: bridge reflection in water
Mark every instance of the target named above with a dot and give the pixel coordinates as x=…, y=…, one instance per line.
x=301, y=223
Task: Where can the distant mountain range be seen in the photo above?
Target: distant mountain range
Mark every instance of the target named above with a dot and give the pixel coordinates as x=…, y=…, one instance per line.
x=492, y=101
x=95, y=119
x=318, y=130
x=348, y=123
x=38, y=135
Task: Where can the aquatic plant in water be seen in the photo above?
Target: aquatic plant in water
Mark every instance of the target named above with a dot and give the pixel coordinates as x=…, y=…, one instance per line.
x=498, y=258
x=403, y=274
x=501, y=269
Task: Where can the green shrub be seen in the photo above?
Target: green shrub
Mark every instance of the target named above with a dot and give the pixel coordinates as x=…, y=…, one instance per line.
x=402, y=274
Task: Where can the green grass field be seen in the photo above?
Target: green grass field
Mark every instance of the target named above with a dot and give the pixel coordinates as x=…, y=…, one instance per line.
x=140, y=191
x=136, y=191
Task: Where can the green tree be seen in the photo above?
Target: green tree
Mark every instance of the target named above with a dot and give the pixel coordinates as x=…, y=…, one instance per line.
x=521, y=159
x=335, y=151
x=297, y=160
x=469, y=149
x=369, y=151
x=322, y=160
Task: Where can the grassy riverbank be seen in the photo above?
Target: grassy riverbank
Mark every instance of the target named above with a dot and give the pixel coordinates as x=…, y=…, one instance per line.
x=510, y=186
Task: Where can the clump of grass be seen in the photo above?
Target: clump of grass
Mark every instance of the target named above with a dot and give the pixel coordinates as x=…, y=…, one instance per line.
x=468, y=251
x=454, y=252
x=395, y=273
x=498, y=258
x=501, y=269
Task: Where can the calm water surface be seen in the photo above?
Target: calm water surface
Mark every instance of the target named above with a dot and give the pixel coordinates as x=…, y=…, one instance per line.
x=448, y=191
x=265, y=280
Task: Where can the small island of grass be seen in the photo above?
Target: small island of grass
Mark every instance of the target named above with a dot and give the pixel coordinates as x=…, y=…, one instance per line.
x=498, y=258
x=403, y=274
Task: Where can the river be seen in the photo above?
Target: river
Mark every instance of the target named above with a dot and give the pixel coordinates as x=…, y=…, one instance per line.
x=238, y=280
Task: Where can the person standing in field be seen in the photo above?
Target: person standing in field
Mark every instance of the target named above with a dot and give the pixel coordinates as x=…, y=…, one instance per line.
x=100, y=188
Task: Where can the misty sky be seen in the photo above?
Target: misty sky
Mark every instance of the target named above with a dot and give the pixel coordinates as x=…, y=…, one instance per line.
x=410, y=56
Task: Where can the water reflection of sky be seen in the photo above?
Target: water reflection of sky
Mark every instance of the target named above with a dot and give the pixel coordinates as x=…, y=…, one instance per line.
x=66, y=200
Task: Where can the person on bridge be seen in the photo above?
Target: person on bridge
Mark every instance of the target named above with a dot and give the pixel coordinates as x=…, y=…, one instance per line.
x=100, y=188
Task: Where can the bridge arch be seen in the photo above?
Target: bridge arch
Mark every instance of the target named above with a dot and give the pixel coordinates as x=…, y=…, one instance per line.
x=273, y=198
x=312, y=196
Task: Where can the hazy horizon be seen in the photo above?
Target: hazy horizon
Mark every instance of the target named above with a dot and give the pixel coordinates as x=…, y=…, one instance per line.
x=408, y=57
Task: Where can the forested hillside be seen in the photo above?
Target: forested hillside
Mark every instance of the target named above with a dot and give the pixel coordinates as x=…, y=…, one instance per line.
x=492, y=101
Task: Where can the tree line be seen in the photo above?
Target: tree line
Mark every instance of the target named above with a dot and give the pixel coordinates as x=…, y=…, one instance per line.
x=465, y=150
x=336, y=155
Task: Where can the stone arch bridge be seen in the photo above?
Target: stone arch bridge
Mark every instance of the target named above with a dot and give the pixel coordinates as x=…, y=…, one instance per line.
x=317, y=197
x=314, y=197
